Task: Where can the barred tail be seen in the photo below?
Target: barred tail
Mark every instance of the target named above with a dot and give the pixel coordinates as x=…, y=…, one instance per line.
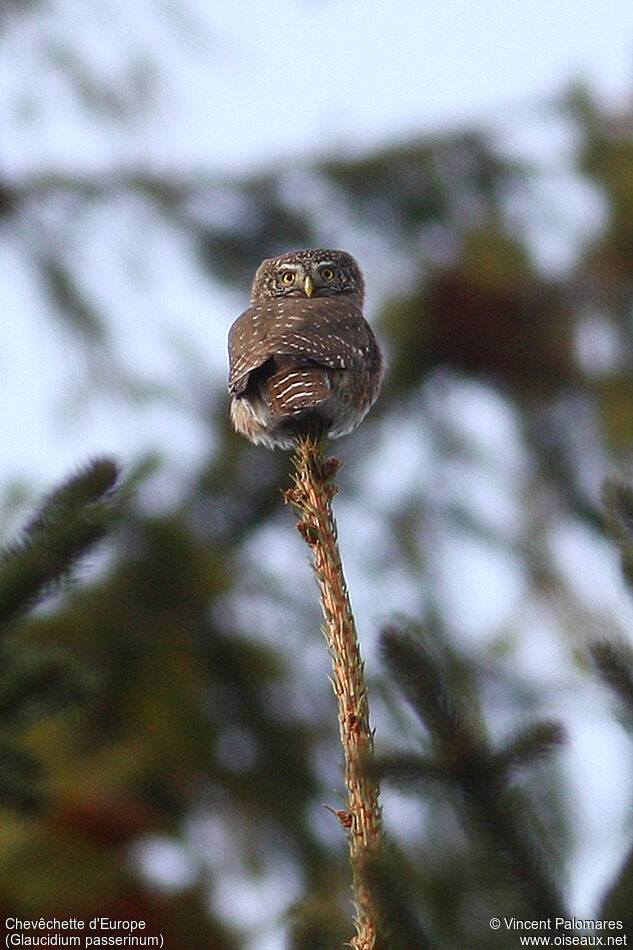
x=293, y=388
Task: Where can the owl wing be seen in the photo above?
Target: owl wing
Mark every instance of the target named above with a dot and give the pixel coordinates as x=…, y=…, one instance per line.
x=247, y=344
x=320, y=331
x=324, y=331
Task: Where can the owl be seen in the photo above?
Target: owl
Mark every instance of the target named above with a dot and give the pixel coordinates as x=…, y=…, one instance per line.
x=303, y=361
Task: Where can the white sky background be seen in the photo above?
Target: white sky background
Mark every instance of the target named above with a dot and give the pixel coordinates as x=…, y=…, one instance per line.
x=324, y=74
x=234, y=87
x=241, y=83
x=238, y=86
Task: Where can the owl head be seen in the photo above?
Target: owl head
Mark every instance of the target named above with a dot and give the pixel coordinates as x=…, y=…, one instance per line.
x=311, y=273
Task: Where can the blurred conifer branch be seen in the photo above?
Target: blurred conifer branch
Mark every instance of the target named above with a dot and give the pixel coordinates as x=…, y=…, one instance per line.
x=614, y=659
x=37, y=680
x=21, y=779
x=614, y=662
x=69, y=522
x=617, y=500
x=399, y=924
x=615, y=665
x=312, y=498
x=460, y=757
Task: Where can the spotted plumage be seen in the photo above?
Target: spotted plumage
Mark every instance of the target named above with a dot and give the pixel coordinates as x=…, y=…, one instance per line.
x=302, y=358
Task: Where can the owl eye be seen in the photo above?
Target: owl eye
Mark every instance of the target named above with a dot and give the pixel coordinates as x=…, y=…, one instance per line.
x=288, y=277
x=327, y=273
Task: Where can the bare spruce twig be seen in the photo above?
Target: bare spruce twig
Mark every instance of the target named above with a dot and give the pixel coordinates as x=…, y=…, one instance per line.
x=311, y=497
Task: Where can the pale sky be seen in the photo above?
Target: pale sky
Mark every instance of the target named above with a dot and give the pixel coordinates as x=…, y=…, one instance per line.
x=235, y=86
x=346, y=72
x=238, y=84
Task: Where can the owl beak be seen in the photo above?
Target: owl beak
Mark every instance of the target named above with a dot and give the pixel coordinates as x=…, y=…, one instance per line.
x=308, y=285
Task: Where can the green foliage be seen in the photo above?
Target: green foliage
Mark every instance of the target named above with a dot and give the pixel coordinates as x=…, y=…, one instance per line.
x=614, y=659
x=614, y=662
x=615, y=665
x=618, y=504
x=72, y=305
x=317, y=924
x=400, y=923
x=36, y=682
x=69, y=522
x=21, y=779
x=429, y=183
x=478, y=778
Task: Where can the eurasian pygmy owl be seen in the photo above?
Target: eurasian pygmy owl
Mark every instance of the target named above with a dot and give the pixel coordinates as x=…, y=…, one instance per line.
x=302, y=359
